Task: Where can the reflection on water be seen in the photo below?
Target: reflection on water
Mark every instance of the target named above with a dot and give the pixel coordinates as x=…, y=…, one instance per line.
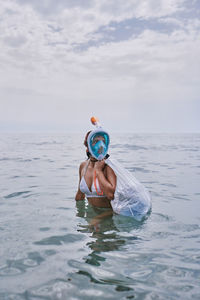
x=105, y=218
x=109, y=233
x=103, y=231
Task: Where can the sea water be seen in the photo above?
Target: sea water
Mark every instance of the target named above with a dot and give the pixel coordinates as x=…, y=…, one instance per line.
x=54, y=248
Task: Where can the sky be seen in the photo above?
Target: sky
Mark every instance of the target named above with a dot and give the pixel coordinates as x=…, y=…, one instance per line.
x=134, y=64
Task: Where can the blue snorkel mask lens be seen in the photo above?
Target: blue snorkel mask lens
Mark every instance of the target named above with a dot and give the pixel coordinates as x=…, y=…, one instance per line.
x=98, y=142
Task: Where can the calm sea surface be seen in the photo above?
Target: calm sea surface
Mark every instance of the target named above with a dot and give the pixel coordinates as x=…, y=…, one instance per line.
x=50, y=250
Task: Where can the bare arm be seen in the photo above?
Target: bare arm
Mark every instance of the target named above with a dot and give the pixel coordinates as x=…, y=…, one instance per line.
x=79, y=194
x=107, y=183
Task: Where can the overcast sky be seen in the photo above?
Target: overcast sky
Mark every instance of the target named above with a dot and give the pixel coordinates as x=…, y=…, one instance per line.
x=133, y=63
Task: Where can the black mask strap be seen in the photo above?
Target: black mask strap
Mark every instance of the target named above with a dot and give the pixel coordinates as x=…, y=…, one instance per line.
x=88, y=154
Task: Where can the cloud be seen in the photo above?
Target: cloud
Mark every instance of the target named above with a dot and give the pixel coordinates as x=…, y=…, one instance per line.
x=15, y=41
x=51, y=7
x=59, y=57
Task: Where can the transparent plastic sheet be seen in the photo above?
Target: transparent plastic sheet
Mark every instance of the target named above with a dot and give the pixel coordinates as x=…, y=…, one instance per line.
x=131, y=198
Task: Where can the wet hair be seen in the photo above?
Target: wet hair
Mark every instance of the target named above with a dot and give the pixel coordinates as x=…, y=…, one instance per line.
x=85, y=143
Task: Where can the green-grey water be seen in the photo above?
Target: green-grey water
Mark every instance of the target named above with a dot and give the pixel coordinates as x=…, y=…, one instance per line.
x=50, y=248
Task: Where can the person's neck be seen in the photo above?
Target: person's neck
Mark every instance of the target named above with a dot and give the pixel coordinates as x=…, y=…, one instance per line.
x=93, y=160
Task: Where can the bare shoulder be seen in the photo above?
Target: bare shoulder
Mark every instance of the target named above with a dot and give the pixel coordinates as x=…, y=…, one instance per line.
x=82, y=165
x=109, y=171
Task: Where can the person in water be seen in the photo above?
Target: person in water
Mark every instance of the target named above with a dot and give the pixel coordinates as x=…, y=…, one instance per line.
x=107, y=184
x=97, y=181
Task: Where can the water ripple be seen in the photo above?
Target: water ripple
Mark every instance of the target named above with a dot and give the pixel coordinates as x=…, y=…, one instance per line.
x=16, y=194
x=17, y=266
x=137, y=169
x=55, y=289
x=59, y=240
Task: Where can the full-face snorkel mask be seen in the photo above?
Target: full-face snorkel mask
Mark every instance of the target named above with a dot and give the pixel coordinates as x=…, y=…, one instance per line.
x=98, y=141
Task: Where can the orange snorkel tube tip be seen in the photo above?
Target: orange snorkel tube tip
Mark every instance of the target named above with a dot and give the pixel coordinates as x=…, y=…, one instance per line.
x=94, y=121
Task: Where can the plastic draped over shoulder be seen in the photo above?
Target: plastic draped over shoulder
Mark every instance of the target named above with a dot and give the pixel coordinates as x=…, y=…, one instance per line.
x=98, y=142
x=131, y=198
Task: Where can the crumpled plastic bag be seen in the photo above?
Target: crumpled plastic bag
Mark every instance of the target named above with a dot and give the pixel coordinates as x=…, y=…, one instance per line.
x=131, y=198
